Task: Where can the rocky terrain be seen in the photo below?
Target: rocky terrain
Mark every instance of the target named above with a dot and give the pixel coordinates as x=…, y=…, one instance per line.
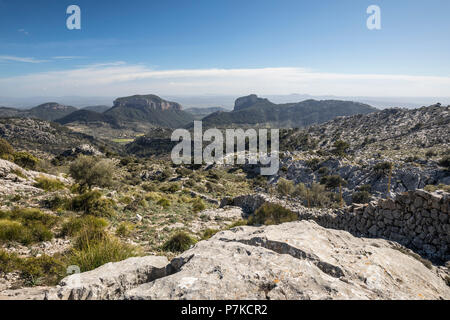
x=297, y=260
x=358, y=210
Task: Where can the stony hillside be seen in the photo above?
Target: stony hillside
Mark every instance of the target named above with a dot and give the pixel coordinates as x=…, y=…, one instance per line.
x=42, y=136
x=48, y=111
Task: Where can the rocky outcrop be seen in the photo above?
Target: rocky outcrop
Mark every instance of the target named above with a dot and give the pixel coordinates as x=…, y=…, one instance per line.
x=405, y=177
x=14, y=179
x=248, y=101
x=298, y=260
x=84, y=149
x=416, y=219
x=146, y=101
x=108, y=282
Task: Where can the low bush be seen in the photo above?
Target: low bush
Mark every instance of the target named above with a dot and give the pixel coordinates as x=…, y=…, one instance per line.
x=163, y=202
x=96, y=252
x=285, y=187
x=91, y=171
x=26, y=226
x=179, y=242
x=124, y=229
x=170, y=188
x=270, y=213
x=25, y=160
x=6, y=150
x=48, y=184
x=86, y=224
x=93, y=203
x=361, y=197
x=198, y=205
x=43, y=270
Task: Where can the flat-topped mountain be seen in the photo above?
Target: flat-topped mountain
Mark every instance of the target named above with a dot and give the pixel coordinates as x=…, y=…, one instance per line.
x=252, y=110
x=149, y=109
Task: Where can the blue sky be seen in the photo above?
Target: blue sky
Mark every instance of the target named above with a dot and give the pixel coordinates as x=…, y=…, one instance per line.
x=201, y=47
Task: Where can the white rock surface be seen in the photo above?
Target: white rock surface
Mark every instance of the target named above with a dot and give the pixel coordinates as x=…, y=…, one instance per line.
x=298, y=260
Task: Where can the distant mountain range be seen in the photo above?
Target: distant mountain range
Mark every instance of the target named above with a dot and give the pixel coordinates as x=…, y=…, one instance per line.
x=254, y=111
x=140, y=113
x=48, y=111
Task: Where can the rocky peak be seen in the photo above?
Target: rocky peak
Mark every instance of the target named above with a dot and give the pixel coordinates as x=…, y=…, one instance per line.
x=247, y=101
x=147, y=101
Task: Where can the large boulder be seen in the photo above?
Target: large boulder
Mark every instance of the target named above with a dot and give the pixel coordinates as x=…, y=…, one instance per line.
x=298, y=260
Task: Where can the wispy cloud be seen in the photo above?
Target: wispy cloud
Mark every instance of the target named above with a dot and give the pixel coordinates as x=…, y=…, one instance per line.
x=119, y=78
x=21, y=59
x=25, y=32
x=67, y=57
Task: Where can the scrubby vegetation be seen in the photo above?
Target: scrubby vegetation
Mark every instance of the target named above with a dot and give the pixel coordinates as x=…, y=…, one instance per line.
x=272, y=214
x=26, y=226
x=90, y=171
x=48, y=184
x=179, y=242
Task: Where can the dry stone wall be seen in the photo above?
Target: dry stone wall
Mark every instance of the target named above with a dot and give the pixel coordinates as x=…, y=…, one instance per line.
x=416, y=219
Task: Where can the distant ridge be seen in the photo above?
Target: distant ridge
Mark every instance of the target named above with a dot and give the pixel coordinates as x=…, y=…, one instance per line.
x=254, y=111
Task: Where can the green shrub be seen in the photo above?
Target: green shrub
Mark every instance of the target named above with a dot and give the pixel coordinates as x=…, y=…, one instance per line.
x=170, y=188
x=332, y=182
x=184, y=172
x=313, y=164
x=285, y=187
x=340, y=147
x=163, y=202
x=90, y=171
x=270, y=213
x=124, y=229
x=57, y=202
x=48, y=184
x=86, y=224
x=6, y=150
x=93, y=203
x=300, y=191
x=179, y=242
x=361, y=197
x=42, y=270
x=95, y=253
x=318, y=196
x=13, y=231
x=382, y=167
x=36, y=270
x=149, y=187
x=25, y=160
x=323, y=171
x=198, y=205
